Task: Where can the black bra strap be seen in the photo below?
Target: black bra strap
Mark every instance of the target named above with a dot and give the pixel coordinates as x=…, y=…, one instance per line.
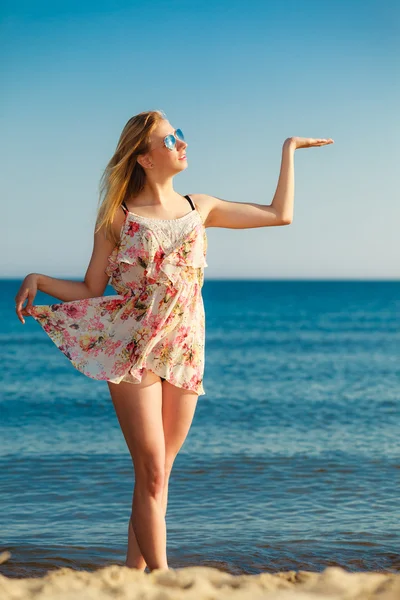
x=190, y=201
x=124, y=207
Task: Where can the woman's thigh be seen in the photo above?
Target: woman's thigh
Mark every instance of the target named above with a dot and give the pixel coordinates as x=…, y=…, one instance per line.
x=138, y=407
x=155, y=419
x=178, y=408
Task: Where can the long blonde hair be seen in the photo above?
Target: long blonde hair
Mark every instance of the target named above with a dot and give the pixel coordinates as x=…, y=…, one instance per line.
x=123, y=175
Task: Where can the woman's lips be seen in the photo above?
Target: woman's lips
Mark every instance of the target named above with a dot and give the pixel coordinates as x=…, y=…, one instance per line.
x=183, y=157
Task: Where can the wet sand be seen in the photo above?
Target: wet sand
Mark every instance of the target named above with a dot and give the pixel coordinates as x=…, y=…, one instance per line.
x=200, y=583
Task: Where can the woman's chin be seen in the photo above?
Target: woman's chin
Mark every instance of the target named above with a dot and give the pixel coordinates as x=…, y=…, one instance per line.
x=183, y=165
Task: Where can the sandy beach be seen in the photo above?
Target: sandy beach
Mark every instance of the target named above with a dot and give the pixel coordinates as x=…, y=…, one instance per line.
x=200, y=583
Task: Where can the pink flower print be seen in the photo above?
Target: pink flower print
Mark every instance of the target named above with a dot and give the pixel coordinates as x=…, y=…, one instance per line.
x=96, y=323
x=133, y=349
x=111, y=347
x=69, y=339
x=88, y=342
x=111, y=304
x=183, y=333
x=190, y=354
x=159, y=255
x=75, y=310
x=133, y=227
x=194, y=381
x=56, y=325
x=101, y=375
x=155, y=321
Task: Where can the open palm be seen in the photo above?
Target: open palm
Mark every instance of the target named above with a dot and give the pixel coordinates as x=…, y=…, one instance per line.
x=300, y=142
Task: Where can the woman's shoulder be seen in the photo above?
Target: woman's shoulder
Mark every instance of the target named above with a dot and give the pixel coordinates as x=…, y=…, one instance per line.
x=204, y=204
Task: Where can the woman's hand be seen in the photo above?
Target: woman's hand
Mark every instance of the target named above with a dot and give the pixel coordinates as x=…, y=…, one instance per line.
x=28, y=290
x=300, y=142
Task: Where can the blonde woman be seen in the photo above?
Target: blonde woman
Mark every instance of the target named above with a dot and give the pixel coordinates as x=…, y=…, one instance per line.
x=148, y=340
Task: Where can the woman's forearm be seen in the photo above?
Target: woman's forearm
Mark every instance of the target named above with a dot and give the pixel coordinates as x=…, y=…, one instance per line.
x=63, y=289
x=284, y=195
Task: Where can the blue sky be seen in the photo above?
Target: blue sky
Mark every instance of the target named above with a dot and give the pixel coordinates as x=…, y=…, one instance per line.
x=238, y=78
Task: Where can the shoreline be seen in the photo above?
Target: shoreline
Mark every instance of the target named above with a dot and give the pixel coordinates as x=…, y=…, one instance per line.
x=196, y=583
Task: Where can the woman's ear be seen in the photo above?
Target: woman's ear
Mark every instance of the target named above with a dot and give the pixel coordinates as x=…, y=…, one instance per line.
x=144, y=161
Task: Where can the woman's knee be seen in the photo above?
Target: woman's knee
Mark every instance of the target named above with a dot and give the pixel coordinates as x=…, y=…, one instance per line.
x=150, y=476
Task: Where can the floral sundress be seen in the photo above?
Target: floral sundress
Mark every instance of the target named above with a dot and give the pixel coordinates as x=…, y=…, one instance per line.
x=156, y=320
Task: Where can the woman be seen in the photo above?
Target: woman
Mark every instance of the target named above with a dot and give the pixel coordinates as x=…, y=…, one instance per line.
x=147, y=341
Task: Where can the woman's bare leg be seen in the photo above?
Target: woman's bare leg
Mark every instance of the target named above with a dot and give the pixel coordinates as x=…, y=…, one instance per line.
x=178, y=408
x=139, y=412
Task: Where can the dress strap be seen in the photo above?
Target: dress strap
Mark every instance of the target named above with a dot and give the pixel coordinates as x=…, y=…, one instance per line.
x=124, y=207
x=188, y=198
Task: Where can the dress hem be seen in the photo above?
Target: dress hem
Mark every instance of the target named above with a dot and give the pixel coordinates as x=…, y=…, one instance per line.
x=99, y=377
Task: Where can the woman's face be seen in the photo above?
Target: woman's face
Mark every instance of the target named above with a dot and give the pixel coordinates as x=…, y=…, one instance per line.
x=163, y=159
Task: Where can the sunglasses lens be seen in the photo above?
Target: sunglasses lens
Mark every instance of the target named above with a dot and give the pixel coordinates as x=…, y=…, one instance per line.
x=179, y=135
x=169, y=141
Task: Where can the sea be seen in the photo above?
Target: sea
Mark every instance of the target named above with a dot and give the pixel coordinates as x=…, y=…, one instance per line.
x=292, y=461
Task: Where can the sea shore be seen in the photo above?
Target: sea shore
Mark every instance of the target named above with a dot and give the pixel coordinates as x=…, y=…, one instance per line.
x=201, y=583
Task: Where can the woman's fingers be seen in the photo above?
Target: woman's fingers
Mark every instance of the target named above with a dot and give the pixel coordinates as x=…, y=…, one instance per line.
x=19, y=300
x=31, y=297
x=23, y=311
x=318, y=142
x=310, y=142
x=28, y=290
x=324, y=141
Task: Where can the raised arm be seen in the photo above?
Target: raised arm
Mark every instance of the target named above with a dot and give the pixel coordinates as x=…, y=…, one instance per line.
x=241, y=215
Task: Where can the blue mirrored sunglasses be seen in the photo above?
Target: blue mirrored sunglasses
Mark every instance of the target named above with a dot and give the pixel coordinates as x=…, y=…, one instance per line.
x=170, y=140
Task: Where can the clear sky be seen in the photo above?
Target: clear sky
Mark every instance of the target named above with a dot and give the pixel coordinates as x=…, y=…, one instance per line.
x=238, y=78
